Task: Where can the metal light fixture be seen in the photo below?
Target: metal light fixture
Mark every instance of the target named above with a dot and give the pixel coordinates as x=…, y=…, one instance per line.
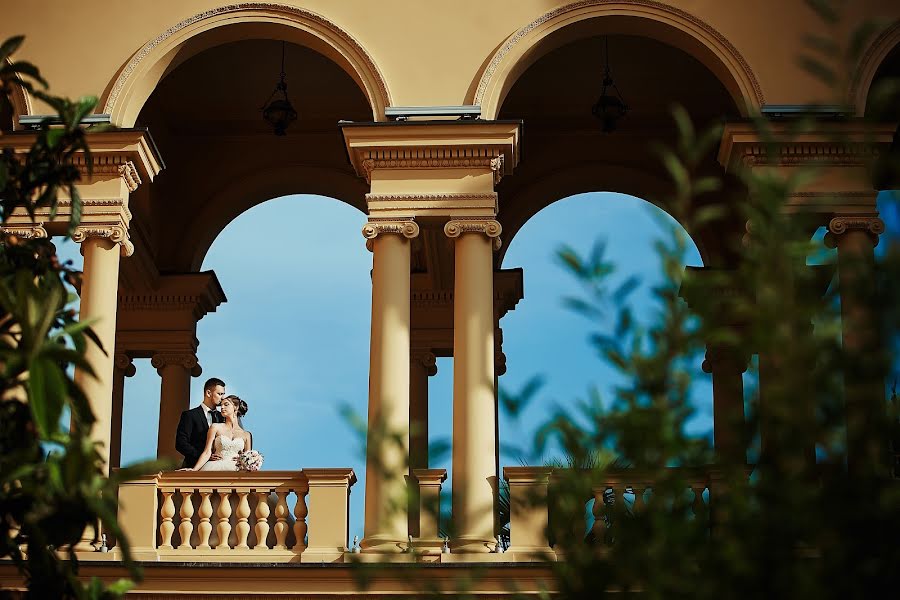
x=610, y=107
x=279, y=112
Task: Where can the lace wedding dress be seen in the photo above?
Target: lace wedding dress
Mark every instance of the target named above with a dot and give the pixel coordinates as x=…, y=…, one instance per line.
x=228, y=448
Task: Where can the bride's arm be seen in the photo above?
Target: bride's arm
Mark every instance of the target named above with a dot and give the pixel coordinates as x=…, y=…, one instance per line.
x=204, y=458
x=248, y=441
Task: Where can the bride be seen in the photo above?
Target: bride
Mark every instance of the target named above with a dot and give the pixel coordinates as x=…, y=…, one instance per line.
x=228, y=438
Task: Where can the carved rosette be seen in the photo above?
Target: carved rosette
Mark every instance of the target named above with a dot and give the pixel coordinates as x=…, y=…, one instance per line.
x=186, y=360
x=405, y=227
x=488, y=227
x=872, y=226
x=114, y=233
x=123, y=362
x=425, y=358
x=28, y=232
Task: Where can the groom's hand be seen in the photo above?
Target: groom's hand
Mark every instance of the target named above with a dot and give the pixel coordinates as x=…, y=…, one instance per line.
x=215, y=457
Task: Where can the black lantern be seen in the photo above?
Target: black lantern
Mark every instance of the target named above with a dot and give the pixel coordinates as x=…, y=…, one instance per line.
x=278, y=111
x=610, y=107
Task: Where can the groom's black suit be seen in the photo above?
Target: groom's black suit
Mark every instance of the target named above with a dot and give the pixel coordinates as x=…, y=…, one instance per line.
x=190, y=438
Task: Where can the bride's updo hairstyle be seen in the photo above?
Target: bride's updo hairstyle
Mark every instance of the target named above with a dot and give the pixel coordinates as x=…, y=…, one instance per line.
x=239, y=405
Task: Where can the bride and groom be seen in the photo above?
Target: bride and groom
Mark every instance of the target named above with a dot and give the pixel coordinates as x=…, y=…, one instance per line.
x=210, y=436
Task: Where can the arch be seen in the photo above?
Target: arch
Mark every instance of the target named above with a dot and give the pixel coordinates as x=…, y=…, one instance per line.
x=645, y=18
x=868, y=66
x=20, y=100
x=240, y=195
x=580, y=179
x=126, y=95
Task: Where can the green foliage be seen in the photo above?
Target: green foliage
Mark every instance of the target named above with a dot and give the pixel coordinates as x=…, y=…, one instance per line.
x=52, y=482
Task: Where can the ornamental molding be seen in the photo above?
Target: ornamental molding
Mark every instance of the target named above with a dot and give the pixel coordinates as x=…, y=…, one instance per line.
x=874, y=226
x=186, y=360
x=294, y=13
x=868, y=65
x=665, y=9
x=437, y=158
x=108, y=165
x=408, y=228
x=27, y=232
x=489, y=227
x=125, y=363
x=454, y=197
x=817, y=153
x=117, y=234
x=426, y=358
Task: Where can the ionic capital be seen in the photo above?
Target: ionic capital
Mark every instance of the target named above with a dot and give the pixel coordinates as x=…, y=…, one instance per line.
x=186, y=360
x=125, y=363
x=28, y=232
x=872, y=226
x=719, y=359
x=405, y=227
x=425, y=358
x=488, y=227
x=117, y=234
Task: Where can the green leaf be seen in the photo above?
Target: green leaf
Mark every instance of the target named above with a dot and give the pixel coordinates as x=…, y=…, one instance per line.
x=26, y=68
x=10, y=46
x=46, y=394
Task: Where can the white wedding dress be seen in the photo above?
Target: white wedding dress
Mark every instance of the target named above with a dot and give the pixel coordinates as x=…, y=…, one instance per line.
x=228, y=449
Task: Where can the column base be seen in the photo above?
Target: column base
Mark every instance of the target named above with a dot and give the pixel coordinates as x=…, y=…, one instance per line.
x=472, y=545
x=383, y=544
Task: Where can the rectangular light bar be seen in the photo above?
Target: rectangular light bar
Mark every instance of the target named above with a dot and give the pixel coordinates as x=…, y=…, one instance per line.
x=402, y=113
x=34, y=121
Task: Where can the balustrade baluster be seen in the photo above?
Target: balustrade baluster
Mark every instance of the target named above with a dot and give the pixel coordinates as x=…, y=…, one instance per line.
x=281, y=526
x=186, y=528
x=242, y=527
x=300, y=512
x=599, y=511
x=166, y=527
x=698, y=505
x=262, y=519
x=204, y=528
x=638, y=500
x=223, y=529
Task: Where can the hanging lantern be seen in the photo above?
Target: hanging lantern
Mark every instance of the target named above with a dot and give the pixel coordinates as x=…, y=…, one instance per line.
x=278, y=110
x=610, y=107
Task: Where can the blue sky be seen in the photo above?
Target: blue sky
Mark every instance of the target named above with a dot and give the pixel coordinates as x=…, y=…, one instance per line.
x=293, y=338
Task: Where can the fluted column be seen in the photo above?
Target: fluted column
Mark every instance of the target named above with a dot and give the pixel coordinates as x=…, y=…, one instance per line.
x=864, y=395
x=102, y=248
x=729, y=427
x=387, y=447
x=474, y=427
x=124, y=367
x=175, y=369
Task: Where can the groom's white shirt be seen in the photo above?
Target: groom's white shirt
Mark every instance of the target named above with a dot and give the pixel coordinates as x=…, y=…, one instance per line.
x=208, y=412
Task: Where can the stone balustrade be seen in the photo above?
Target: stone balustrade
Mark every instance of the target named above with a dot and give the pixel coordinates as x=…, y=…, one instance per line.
x=530, y=513
x=263, y=516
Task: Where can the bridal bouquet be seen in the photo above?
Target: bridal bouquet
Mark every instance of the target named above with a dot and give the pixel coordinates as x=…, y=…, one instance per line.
x=249, y=460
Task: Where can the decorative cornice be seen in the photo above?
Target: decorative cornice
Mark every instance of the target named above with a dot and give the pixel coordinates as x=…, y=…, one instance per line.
x=28, y=232
x=187, y=360
x=488, y=227
x=125, y=363
x=441, y=160
x=839, y=154
x=405, y=227
x=505, y=49
x=426, y=358
x=425, y=199
x=114, y=233
x=109, y=165
x=292, y=12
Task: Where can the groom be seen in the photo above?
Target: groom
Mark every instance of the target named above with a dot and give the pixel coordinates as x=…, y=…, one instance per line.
x=190, y=438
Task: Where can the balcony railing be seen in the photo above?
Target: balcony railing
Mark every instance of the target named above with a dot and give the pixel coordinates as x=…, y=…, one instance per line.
x=264, y=516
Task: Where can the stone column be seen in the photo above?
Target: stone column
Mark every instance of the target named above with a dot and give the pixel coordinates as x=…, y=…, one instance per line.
x=864, y=394
x=422, y=365
x=175, y=370
x=386, y=525
x=474, y=427
x=729, y=427
x=124, y=367
x=102, y=248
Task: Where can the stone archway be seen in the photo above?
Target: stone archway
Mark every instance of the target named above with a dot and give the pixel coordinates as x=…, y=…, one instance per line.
x=646, y=18
x=869, y=64
x=127, y=93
